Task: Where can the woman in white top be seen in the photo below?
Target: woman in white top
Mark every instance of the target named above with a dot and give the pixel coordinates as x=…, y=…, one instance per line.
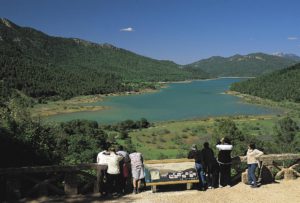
x=252, y=155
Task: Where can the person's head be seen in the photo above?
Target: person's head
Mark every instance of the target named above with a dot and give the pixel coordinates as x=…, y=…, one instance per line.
x=194, y=147
x=206, y=145
x=251, y=146
x=120, y=148
x=225, y=140
x=112, y=149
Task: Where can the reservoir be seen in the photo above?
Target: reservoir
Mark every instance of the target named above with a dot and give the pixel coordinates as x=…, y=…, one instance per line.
x=197, y=99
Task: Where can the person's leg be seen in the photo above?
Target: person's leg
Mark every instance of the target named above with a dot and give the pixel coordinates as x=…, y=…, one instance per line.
x=222, y=175
x=252, y=173
x=201, y=175
x=228, y=175
x=138, y=186
x=249, y=174
x=109, y=183
x=215, y=176
x=209, y=176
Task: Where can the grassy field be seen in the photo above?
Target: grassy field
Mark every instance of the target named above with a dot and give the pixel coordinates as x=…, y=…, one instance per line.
x=174, y=139
x=68, y=106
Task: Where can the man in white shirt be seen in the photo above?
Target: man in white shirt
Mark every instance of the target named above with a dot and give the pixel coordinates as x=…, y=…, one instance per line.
x=113, y=171
x=101, y=160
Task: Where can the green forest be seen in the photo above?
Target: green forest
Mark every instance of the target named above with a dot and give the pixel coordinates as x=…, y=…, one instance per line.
x=250, y=65
x=48, y=67
x=282, y=85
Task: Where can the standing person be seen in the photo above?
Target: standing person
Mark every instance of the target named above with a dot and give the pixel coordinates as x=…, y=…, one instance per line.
x=137, y=169
x=113, y=171
x=198, y=157
x=102, y=161
x=252, y=155
x=211, y=166
x=124, y=169
x=224, y=160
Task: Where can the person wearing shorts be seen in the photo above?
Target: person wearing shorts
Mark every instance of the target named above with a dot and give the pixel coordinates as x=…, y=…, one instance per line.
x=137, y=170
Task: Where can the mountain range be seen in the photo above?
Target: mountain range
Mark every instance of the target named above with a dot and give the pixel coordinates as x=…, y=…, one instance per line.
x=44, y=66
x=253, y=64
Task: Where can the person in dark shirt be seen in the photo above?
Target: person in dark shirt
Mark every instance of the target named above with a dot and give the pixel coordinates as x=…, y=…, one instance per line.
x=211, y=166
x=197, y=156
x=224, y=160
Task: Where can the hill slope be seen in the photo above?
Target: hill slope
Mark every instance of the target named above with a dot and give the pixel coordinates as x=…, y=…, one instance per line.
x=238, y=65
x=43, y=66
x=279, y=85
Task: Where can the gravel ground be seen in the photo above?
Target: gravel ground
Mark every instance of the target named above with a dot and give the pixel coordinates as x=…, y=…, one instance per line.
x=281, y=192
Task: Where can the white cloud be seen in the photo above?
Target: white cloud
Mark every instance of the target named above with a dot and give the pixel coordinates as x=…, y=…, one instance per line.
x=128, y=29
x=292, y=38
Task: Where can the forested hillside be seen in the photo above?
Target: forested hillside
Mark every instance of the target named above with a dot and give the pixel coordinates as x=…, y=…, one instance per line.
x=279, y=85
x=45, y=66
x=238, y=65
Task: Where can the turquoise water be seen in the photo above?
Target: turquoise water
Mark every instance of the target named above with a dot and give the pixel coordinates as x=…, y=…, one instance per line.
x=179, y=101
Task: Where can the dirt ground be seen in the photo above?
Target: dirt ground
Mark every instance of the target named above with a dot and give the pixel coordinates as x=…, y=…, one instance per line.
x=281, y=192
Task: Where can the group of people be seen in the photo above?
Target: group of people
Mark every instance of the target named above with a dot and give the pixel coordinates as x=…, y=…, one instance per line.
x=214, y=172
x=117, y=170
x=119, y=167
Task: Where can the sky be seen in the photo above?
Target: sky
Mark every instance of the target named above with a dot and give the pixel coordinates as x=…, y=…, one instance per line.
x=183, y=31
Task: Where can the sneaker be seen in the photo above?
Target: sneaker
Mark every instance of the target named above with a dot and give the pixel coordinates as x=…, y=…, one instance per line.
x=134, y=191
x=220, y=186
x=254, y=186
x=138, y=191
x=210, y=187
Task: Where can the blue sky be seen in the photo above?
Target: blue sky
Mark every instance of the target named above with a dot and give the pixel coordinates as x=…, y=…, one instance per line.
x=180, y=30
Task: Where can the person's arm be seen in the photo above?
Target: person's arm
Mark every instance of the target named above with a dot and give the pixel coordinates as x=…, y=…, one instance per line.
x=142, y=159
x=190, y=155
x=258, y=153
x=98, y=158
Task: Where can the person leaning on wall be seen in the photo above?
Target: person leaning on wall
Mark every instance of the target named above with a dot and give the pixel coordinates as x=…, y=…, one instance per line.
x=252, y=155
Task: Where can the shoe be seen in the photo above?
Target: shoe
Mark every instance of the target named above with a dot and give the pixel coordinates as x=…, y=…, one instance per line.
x=134, y=191
x=220, y=186
x=210, y=187
x=254, y=186
x=138, y=191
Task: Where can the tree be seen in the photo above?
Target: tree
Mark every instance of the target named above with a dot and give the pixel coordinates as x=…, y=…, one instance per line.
x=227, y=128
x=286, y=131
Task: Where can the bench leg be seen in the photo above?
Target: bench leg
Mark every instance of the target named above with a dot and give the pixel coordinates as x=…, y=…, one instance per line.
x=153, y=188
x=189, y=186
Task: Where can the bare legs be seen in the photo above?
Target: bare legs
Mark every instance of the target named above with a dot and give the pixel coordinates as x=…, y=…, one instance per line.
x=136, y=185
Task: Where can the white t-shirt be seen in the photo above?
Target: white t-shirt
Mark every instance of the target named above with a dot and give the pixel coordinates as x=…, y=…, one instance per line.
x=136, y=159
x=102, y=156
x=113, y=163
x=124, y=154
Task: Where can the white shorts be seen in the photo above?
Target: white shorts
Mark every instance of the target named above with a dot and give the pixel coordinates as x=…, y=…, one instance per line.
x=138, y=172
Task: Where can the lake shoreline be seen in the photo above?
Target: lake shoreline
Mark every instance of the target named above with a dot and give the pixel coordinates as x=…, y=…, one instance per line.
x=75, y=104
x=81, y=104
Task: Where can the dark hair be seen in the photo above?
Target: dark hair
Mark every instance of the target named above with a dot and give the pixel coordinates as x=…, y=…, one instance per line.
x=252, y=146
x=121, y=148
x=206, y=145
x=226, y=140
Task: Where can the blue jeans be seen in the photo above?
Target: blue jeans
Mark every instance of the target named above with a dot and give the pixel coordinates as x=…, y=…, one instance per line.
x=201, y=174
x=251, y=173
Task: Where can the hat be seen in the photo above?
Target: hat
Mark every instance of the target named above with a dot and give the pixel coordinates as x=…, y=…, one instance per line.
x=194, y=147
